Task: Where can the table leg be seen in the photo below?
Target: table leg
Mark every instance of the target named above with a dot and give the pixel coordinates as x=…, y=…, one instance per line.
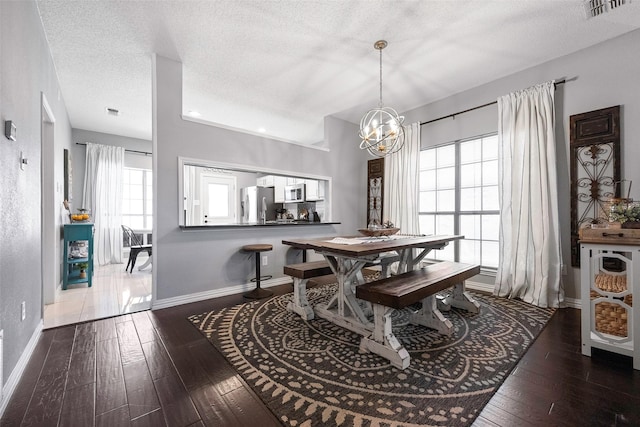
x=343, y=308
x=404, y=264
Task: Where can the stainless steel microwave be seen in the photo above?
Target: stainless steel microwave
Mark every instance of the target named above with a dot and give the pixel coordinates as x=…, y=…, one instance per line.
x=294, y=193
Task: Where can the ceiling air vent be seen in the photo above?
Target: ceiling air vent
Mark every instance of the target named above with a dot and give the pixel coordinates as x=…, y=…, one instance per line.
x=113, y=111
x=594, y=8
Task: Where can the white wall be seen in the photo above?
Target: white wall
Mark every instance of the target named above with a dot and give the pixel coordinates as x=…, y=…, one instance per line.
x=188, y=262
x=26, y=70
x=598, y=77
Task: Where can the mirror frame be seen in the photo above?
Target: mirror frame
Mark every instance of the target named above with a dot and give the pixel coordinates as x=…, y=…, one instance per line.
x=189, y=161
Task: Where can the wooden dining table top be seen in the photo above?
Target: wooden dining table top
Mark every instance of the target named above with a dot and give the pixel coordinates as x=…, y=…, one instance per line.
x=370, y=246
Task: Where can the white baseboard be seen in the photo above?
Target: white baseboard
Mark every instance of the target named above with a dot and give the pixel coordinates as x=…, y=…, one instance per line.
x=215, y=293
x=478, y=286
x=16, y=374
x=486, y=287
x=572, y=303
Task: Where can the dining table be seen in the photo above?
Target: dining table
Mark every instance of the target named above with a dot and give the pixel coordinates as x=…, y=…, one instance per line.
x=347, y=256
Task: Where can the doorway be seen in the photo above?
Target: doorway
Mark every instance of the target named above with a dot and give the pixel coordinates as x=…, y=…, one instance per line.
x=114, y=291
x=50, y=195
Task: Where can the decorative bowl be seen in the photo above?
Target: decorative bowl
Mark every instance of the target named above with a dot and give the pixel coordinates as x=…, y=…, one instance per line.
x=378, y=231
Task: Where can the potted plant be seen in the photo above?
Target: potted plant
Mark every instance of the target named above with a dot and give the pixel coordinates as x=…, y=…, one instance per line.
x=626, y=212
x=82, y=266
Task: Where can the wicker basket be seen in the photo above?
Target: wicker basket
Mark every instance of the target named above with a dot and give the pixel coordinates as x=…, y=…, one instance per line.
x=611, y=318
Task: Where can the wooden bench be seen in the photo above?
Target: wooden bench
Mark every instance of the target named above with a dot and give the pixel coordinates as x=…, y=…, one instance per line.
x=405, y=289
x=301, y=273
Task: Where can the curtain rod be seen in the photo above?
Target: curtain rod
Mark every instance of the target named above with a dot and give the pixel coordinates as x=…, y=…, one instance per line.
x=559, y=82
x=146, y=153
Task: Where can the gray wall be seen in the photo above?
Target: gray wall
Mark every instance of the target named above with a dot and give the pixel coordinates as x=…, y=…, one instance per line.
x=588, y=88
x=598, y=77
x=78, y=153
x=191, y=262
x=26, y=70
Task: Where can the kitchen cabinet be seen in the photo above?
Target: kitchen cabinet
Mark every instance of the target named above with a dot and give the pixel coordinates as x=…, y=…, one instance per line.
x=293, y=181
x=609, y=278
x=279, y=182
x=265, y=181
x=314, y=190
x=78, y=250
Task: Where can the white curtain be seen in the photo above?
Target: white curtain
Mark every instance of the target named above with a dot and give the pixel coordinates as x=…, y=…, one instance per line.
x=530, y=256
x=401, y=193
x=103, y=196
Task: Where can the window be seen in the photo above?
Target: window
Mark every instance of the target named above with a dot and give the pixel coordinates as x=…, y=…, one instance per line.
x=459, y=195
x=137, y=200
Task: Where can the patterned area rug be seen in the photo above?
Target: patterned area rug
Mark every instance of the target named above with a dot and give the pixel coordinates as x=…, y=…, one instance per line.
x=311, y=373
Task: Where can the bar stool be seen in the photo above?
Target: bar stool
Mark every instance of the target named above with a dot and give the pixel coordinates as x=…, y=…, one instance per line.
x=258, y=292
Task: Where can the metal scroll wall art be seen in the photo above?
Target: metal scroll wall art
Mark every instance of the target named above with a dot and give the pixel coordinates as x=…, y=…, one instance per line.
x=375, y=190
x=595, y=169
x=375, y=200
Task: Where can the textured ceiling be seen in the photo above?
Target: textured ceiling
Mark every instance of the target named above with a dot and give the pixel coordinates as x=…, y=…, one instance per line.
x=283, y=65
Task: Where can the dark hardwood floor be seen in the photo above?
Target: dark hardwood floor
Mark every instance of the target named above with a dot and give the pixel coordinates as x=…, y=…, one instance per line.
x=155, y=369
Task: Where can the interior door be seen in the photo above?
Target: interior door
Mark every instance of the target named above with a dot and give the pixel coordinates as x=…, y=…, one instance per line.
x=218, y=199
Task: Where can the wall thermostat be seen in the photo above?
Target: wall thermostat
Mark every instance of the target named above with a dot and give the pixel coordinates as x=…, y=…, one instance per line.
x=10, y=130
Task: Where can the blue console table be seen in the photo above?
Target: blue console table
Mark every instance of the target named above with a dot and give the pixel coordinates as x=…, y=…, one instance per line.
x=78, y=248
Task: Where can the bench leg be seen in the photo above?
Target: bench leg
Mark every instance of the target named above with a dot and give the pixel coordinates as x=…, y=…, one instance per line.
x=460, y=298
x=442, y=306
x=299, y=303
x=430, y=316
x=382, y=341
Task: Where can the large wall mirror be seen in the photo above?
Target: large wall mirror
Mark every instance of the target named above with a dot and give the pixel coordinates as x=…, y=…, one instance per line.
x=223, y=194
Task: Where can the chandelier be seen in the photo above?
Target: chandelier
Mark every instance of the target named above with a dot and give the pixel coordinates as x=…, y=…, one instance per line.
x=381, y=128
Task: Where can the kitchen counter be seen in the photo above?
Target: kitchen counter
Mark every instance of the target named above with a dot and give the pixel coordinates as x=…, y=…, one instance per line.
x=277, y=223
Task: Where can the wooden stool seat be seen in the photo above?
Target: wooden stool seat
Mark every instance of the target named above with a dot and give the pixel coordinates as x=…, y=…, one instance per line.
x=257, y=248
x=258, y=292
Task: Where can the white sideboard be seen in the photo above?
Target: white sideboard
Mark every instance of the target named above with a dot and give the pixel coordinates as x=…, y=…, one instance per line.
x=610, y=281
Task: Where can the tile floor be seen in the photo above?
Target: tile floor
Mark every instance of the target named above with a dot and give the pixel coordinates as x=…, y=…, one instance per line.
x=113, y=292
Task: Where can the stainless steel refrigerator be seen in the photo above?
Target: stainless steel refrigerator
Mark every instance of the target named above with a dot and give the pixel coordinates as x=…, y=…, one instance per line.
x=257, y=204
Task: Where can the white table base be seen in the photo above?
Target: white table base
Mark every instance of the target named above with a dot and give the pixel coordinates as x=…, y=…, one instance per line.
x=460, y=298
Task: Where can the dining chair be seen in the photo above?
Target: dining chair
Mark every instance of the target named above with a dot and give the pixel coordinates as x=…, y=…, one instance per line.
x=136, y=247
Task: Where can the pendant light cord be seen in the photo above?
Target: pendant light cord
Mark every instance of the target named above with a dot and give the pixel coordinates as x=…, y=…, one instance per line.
x=380, y=102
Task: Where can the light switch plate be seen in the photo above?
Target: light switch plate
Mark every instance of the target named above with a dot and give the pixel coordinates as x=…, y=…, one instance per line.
x=10, y=130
